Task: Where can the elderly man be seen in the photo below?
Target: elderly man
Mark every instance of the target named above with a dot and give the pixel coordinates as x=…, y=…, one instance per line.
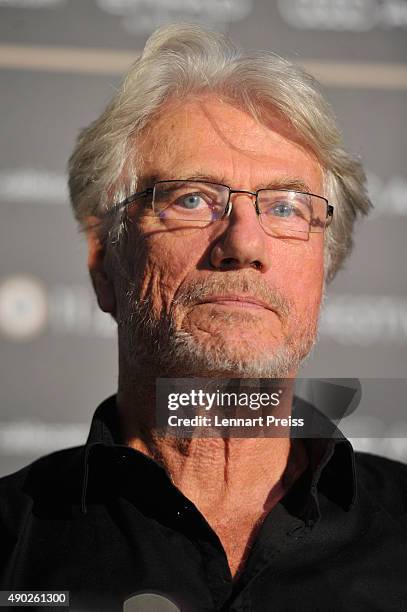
x=217, y=202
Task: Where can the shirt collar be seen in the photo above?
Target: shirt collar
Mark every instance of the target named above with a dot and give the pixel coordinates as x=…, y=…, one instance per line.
x=331, y=468
x=104, y=428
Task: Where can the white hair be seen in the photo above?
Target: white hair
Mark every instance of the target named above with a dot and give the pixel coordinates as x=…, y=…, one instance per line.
x=181, y=60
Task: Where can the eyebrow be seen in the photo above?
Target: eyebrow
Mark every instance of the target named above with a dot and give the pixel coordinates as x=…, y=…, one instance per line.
x=284, y=182
x=294, y=183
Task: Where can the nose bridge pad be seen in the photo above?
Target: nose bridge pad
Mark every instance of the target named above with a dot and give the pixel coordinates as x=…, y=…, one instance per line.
x=249, y=194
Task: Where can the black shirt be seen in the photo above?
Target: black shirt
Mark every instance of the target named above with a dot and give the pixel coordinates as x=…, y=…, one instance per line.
x=104, y=521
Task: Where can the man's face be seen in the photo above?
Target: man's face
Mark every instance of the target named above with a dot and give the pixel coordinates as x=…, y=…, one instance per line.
x=227, y=299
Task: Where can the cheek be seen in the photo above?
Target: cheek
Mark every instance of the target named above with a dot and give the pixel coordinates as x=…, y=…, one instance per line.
x=166, y=261
x=302, y=274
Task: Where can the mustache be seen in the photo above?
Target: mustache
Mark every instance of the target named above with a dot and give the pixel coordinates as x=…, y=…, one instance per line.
x=200, y=289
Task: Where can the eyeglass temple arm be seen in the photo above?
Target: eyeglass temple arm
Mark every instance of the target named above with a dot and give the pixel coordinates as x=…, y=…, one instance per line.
x=134, y=197
x=119, y=205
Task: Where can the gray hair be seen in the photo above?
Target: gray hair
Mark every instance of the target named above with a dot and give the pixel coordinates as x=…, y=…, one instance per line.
x=179, y=60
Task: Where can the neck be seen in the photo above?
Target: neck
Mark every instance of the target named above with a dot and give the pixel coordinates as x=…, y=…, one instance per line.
x=213, y=472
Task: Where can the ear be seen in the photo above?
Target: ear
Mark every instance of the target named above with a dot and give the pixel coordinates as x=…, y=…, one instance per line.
x=101, y=280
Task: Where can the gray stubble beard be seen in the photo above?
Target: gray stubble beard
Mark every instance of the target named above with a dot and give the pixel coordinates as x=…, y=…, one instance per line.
x=154, y=346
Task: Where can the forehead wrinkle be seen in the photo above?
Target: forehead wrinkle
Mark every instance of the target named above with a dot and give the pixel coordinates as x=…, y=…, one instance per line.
x=172, y=161
x=178, y=120
x=155, y=142
x=271, y=121
x=177, y=117
x=222, y=135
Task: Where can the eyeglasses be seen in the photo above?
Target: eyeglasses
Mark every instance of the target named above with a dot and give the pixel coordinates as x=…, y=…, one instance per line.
x=282, y=212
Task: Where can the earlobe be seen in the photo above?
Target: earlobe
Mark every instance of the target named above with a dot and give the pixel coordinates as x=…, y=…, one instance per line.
x=101, y=281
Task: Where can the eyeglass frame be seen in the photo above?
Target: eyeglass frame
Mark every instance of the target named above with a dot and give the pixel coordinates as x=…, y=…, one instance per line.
x=229, y=204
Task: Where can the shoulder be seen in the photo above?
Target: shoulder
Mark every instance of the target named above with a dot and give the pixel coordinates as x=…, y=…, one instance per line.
x=47, y=466
x=43, y=490
x=52, y=476
x=43, y=470
x=384, y=479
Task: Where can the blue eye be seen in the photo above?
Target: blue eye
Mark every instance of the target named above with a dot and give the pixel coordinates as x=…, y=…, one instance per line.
x=282, y=210
x=191, y=201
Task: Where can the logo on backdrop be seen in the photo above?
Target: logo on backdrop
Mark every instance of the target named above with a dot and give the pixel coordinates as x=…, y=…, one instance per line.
x=23, y=307
x=31, y=4
x=389, y=196
x=344, y=16
x=30, y=308
x=143, y=16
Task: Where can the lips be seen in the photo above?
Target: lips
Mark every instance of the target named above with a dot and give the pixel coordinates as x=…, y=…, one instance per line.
x=242, y=301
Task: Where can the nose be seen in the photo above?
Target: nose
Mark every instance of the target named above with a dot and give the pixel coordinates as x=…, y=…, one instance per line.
x=243, y=244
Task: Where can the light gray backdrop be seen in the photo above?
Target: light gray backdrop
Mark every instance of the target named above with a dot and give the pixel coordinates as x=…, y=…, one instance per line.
x=60, y=62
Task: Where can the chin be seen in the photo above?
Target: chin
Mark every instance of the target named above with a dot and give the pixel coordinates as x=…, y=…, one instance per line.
x=220, y=359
